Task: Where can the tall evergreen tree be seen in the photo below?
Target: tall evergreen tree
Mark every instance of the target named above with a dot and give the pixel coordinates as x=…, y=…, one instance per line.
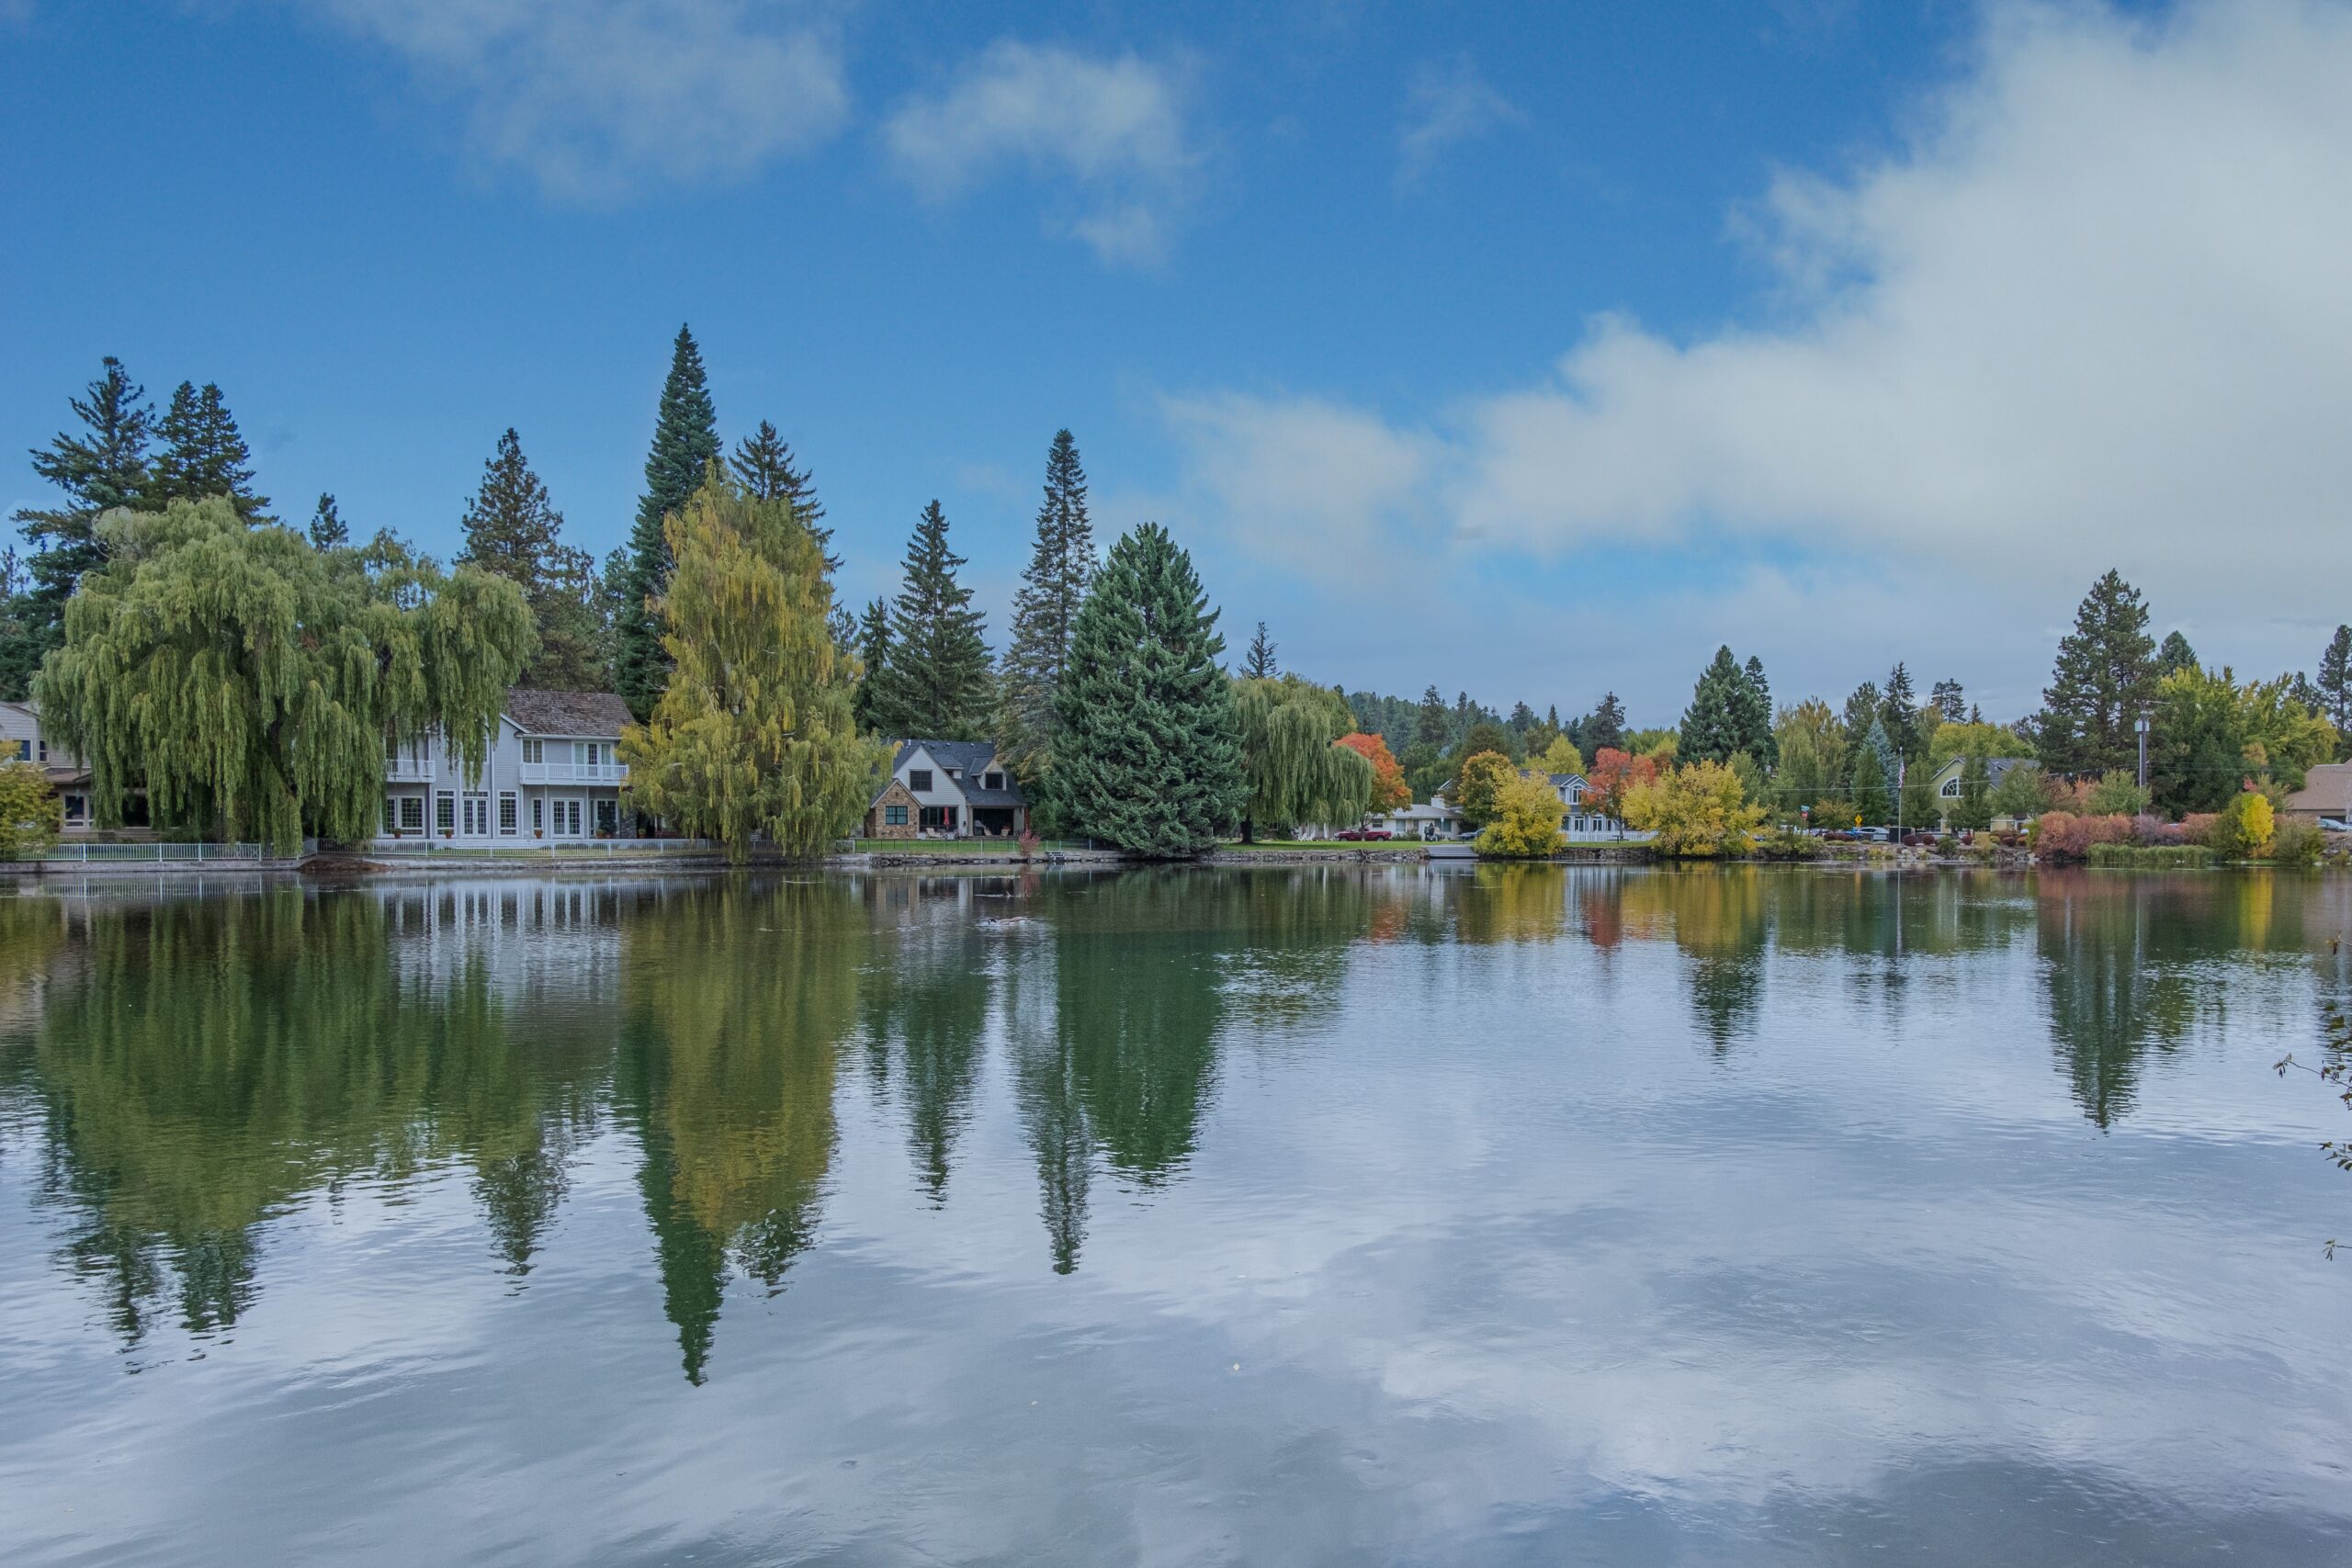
x=762, y=464
x=873, y=658
x=514, y=531
x=1259, y=664
x=686, y=442
x=2175, y=654
x=1044, y=615
x=2335, y=682
x=1975, y=808
x=935, y=682
x=1714, y=725
x=1755, y=710
x=1949, y=701
x=1605, y=727
x=1150, y=758
x=1430, y=726
x=2104, y=678
x=1899, y=711
x=1861, y=711
x=1873, y=783
x=328, y=530
x=203, y=454
x=99, y=467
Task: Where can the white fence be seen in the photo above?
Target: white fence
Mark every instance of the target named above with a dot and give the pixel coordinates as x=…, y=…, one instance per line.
x=161, y=853
x=479, y=849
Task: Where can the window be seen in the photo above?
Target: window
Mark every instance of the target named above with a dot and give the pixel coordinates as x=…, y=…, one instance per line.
x=24, y=750
x=1952, y=787
x=991, y=780
x=77, y=807
x=534, y=750
x=445, y=812
x=477, y=816
x=391, y=815
x=954, y=773
x=42, y=745
x=566, y=818
x=411, y=814
x=538, y=815
x=894, y=816
x=919, y=779
x=608, y=817
x=507, y=813
x=939, y=818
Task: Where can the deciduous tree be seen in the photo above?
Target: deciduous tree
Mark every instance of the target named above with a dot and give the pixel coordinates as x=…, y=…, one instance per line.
x=1615, y=775
x=1389, y=790
x=1291, y=756
x=30, y=813
x=1526, y=821
x=1694, y=811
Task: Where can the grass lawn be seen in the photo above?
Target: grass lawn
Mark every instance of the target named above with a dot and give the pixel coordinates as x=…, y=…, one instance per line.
x=1274, y=846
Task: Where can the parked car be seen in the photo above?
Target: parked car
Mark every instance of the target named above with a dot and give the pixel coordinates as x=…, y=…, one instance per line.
x=1364, y=835
x=2334, y=825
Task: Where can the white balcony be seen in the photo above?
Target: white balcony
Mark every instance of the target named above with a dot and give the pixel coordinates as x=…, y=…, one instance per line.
x=405, y=769
x=575, y=772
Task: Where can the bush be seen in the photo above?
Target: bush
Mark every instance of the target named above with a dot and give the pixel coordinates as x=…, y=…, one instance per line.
x=2152, y=857
x=2063, y=838
x=1784, y=842
x=1693, y=811
x=2155, y=832
x=2243, y=829
x=2296, y=842
x=1526, y=819
x=30, y=813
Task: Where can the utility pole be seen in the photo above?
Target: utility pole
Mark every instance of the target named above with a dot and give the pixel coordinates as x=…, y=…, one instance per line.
x=2143, y=747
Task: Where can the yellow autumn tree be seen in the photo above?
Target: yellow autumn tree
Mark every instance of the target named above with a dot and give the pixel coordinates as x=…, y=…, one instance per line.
x=754, y=732
x=1695, y=811
x=1526, y=821
x=30, y=813
x=1560, y=756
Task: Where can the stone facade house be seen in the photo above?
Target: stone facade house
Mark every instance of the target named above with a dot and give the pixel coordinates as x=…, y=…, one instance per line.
x=894, y=814
x=952, y=789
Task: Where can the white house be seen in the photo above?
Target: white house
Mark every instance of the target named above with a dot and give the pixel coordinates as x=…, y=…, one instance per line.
x=552, y=774
x=21, y=741
x=1437, y=821
x=947, y=789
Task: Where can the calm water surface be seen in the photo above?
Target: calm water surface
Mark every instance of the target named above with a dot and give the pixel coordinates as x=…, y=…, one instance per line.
x=1285, y=1216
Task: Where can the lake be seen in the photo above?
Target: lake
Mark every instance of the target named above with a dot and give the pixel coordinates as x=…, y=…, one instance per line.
x=1321, y=1215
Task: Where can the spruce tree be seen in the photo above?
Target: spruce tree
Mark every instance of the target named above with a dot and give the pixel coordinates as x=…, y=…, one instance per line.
x=1045, y=613
x=1874, y=774
x=873, y=657
x=762, y=464
x=1150, y=752
x=328, y=530
x=102, y=466
x=1259, y=663
x=2174, y=655
x=935, y=683
x=1430, y=726
x=686, y=442
x=2335, y=681
x=1713, y=726
x=203, y=454
x=2104, y=677
x=514, y=531
x=1755, y=709
x=1861, y=711
x=1899, y=711
x=1605, y=727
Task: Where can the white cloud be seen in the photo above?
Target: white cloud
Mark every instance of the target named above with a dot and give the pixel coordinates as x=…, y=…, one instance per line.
x=2093, y=315
x=1113, y=127
x=1445, y=106
x=595, y=98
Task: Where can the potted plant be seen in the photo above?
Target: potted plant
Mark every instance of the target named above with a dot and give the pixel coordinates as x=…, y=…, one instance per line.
x=537, y=834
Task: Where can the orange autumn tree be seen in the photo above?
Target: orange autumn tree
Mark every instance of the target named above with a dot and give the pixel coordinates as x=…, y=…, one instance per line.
x=1389, y=789
x=1614, y=776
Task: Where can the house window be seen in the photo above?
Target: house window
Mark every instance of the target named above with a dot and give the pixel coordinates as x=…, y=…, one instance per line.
x=477, y=816
x=507, y=813
x=567, y=819
x=534, y=750
x=991, y=780
x=894, y=816
x=955, y=772
x=445, y=812
x=41, y=746
x=538, y=815
x=939, y=818
x=590, y=752
x=919, y=779
x=391, y=815
x=24, y=750
x=77, y=807
x=608, y=817
x=411, y=814
x=1951, y=788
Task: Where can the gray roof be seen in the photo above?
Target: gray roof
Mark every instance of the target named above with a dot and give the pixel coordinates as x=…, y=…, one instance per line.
x=970, y=758
x=585, y=714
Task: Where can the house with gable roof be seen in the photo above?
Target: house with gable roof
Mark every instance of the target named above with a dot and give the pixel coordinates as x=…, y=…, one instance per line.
x=553, y=774
x=947, y=789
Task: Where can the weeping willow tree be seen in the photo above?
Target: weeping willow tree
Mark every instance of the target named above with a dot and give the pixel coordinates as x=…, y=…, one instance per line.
x=252, y=683
x=1291, y=758
x=754, y=732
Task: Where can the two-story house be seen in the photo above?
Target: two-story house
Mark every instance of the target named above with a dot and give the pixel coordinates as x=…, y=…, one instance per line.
x=552, y=774
x=21, y=741
x=1437, y=821
x=947, y=789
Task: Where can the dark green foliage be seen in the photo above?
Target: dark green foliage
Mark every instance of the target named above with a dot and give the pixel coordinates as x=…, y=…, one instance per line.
x=1150, y=757
x=1296, y=770
x=2175, y=654
x=328, y=530
x=1486, y=734
x=1713, y=726
x=1754, y=708
x=2335, y=682
x=762, y=466
x=686, y=442
x=102, y=465
x=874, y=657
x=1044, y=611
x=512, y=531
x=2104, y=677
x=1259, y=663
x=1949, y=701
x=203, y=456
x=1861, y=711
x=1430, y=726
x=934, y=680
x=1899, y=712
x=1873, y=783
x=1975, y=807
x=1605, y=725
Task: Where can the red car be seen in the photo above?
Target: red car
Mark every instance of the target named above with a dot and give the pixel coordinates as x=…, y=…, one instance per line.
x=1364, y=835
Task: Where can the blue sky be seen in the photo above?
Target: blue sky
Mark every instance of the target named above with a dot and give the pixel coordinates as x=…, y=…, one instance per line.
x=1529, y=349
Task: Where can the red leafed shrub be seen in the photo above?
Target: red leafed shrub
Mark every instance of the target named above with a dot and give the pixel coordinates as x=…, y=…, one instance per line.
x=2154, y=831
x=2196, y=828
x=2062, y=836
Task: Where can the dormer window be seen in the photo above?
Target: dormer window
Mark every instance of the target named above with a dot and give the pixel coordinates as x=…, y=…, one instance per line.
x=919, y=779
x=954, y=773
x=991, y=781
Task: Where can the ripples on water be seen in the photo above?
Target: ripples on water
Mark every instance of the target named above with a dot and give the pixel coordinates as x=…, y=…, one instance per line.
x=1282, y=1216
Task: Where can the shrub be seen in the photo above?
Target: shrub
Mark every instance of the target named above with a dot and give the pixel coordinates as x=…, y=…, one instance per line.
x=30, y=813
x=1526, y=822
x=2064, y=837
x=2155, y=832
x=1784, y=842
x=2196, y=828
x=2296, y=842
x=2242, y=828
x=2152, y=857
x=1696, y=810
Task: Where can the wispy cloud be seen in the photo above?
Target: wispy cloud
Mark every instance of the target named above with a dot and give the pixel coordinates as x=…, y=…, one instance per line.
x=595, y=99
x=1113, y=129
x=1444, y=106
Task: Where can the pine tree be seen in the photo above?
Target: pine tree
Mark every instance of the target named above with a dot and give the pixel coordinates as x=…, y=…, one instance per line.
x=513, y=530
x=1874, y=774
x=203, y=454
x=2335, y=681
x=328, y=530
x=100, y=469
x=1899, y=711
x=1604, y=727
x=934, y=683
x=762, y=466
x=1949, y=701
x=2104, y=678
x=1259, y=664
x=1150, y=757
x=1714, y=725
x=1755, y=710
x=1045, y=613
x=873, y=657
x=1430, y=726
x=1861, y=711
x=686, y=442
x=2174, y=655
